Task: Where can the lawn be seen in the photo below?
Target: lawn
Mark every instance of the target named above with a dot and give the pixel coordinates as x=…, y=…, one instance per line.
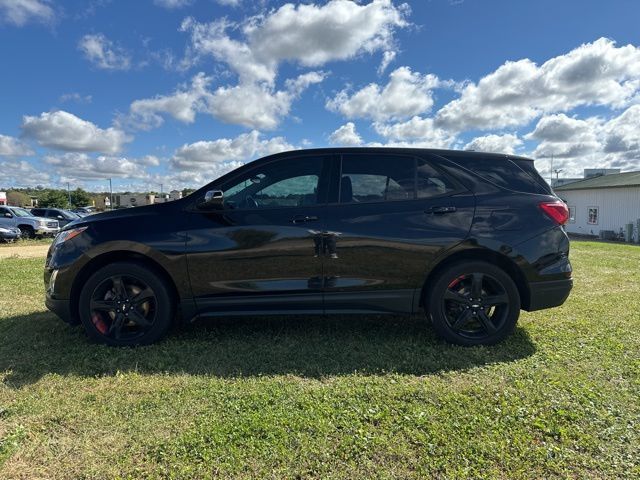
x=350, y=397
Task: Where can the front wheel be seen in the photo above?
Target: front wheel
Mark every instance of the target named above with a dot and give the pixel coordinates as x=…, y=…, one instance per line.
x=473, y=303
x=27, y=231
x=126, y=304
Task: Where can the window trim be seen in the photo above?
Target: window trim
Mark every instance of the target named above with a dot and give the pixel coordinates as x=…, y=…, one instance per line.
x=597, y=208
x=575, y=211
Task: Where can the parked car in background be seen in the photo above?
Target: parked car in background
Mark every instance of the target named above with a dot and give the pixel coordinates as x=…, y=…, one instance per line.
x=62, y=216
x=29, y=225
x=9, y=234
x=83, y=211
x=467, y=238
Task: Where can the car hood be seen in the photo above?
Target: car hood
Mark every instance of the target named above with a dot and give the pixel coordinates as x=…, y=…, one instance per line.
x=146, y=210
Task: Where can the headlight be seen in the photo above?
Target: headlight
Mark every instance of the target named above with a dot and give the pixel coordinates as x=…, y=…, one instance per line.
x=42, y=223
x=68, y=235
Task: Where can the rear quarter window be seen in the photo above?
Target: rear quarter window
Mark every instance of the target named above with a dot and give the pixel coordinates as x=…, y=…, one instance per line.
x=504, y=173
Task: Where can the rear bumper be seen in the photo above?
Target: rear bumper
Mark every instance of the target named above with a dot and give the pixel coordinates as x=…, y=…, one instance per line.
x=549, y=294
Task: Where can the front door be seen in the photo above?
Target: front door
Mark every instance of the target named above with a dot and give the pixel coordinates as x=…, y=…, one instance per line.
x=389, y=218
x=260, y=252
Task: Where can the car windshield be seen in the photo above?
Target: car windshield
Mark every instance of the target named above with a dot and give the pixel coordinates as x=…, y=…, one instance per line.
x=20, y=212
x=69, y=215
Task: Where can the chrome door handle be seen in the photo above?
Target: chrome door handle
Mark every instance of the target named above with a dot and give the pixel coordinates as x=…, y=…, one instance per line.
x=304, y=219
x=440, y=210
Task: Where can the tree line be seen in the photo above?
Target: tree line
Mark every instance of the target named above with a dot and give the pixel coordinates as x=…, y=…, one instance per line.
x=59, y=198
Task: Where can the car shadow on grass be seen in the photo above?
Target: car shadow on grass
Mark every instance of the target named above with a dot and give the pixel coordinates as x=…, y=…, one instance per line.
x=35, y=345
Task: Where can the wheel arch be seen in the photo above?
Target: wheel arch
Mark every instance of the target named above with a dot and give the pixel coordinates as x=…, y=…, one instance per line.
x=485, y=255
x=106, y=258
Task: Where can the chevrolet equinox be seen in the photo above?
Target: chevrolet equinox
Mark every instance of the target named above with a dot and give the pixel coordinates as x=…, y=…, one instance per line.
x=467, y=238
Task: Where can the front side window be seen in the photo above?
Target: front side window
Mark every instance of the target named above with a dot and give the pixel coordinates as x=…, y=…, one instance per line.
x=292, y=182
x=592, y=218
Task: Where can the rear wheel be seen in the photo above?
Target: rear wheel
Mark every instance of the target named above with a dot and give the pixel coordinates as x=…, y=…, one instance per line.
x=125, y=304
x=474, y=303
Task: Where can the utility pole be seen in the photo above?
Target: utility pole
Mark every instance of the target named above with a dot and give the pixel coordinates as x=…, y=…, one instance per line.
x=110, y=195
x=69, y=195
x=551, y=171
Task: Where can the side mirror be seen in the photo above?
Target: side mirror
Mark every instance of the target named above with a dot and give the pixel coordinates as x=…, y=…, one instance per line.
x=213, y=199
x=8, y=215
x=60, y=217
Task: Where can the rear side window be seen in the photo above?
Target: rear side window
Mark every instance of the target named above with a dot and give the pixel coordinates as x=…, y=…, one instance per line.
x=377, y=178
x=503, y=172
x=383, y=178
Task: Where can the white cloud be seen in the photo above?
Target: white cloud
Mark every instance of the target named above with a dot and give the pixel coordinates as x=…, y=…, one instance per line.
x=216, y=157
x=20, y=12
x=64, y=131
x=597, y=73
x=20, y=173
x=506, y=143
x=182, y=105
x=12, y=147
x=103, y=53
x=80, y=166
x=417, y=130
x=387, y=57
x=346, y=135
x=172, y=4
x=592, y=142
x=308, y=34
x=407, y=93
x=229, y=3
x=76, y=97
x=251, y=105
x=258, y=105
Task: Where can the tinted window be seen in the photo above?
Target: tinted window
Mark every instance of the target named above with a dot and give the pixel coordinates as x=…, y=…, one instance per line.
x=38, y=212
x=376, y=178
x=502, y=172
x=286, y=183
x=430, y=182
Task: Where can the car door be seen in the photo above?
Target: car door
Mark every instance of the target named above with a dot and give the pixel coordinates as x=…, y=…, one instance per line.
x=7, y=218
x=259, y=253
x=389, y=217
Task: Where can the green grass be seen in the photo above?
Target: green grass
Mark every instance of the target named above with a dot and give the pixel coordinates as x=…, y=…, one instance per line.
x=361, y=397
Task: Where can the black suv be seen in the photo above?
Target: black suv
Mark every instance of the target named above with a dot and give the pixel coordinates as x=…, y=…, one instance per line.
x=62, y=216
x=469, y=238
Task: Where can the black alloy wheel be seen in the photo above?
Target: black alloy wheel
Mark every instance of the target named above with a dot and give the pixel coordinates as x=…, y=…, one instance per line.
x=125, y=304
x=474, y=304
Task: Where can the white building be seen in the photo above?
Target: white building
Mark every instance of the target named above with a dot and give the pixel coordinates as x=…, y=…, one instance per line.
x=607, y=202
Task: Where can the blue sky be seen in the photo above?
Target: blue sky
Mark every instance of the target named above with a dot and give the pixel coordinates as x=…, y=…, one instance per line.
x=179, y=91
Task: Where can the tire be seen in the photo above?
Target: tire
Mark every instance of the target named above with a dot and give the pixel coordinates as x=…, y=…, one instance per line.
x=126, y=304
x=27, y=231
x=473, y=303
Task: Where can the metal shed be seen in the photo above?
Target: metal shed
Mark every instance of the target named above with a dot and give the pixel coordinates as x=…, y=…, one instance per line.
x=607, y=202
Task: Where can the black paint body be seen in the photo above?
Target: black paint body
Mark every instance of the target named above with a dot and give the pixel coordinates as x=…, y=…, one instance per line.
x=333, y=257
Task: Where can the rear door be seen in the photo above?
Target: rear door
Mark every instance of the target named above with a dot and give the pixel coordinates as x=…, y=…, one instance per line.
x=390, y=216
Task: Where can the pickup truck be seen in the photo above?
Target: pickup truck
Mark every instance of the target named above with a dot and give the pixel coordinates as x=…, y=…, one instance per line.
x=30, y=226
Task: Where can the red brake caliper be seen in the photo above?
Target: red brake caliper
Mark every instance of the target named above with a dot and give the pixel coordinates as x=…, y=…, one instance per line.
x=99, y=323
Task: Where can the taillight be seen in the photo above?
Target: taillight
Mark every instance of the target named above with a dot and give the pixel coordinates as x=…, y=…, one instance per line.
x=557, y=211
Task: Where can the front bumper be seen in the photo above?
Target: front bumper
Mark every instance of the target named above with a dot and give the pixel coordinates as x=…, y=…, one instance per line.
x=549, y=294
x=59, y=307
x=47, y=231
